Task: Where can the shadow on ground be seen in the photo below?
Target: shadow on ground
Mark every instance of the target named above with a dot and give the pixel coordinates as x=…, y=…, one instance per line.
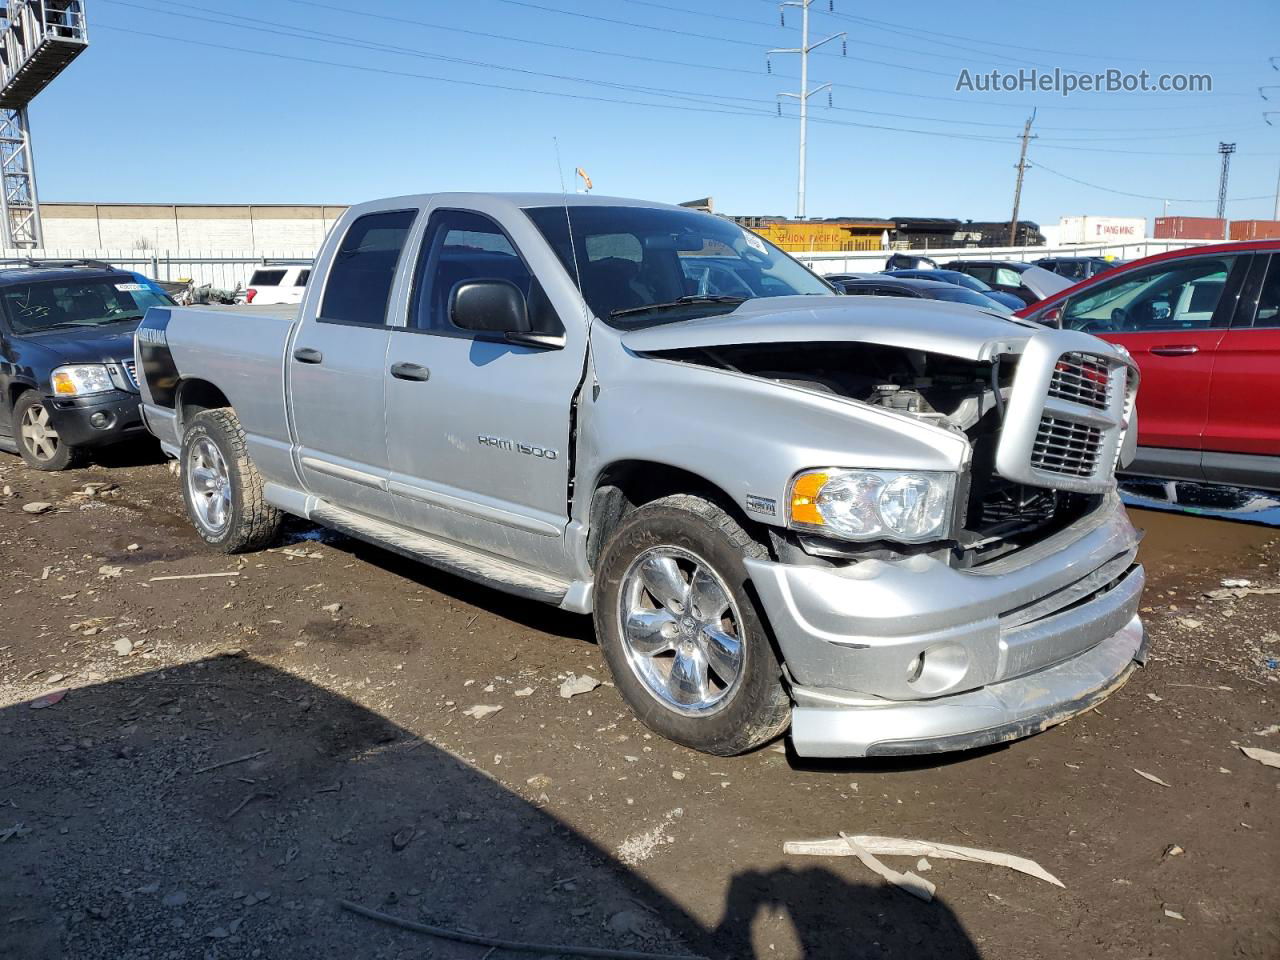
x=128, y=850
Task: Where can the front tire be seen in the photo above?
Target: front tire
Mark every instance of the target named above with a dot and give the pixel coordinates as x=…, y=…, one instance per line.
x=38, y=440
x=684, y=640
x=222, y=488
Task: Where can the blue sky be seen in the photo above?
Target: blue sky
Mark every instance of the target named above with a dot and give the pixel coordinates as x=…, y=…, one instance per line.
x=220, y=113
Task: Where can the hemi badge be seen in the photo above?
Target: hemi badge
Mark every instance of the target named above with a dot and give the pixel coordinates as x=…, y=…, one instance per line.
x=763, y=505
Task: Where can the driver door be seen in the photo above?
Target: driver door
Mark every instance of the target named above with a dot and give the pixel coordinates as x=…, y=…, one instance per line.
x=1171, y=318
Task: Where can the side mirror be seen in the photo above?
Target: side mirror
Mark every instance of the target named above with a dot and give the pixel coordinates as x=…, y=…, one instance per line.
x=489, y=306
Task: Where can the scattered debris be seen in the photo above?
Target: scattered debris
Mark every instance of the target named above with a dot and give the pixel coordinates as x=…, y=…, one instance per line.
x=1237, y=583
x=575, y=685
x=1154, y=697
x=896, y=847
x=1266, y=757
x=302, y=554
x=403, y=838
x=641, y=846
x=1150, y=776
x=677, y=774
x=196, y=576
x=227, y=763
x=48, y=700
x=915, y=885
x=1267, y=731
x=17, y=830
x=331, y=607
x=123, y=647
x=539, y=781
x=1173, y=850
x=483, y=941
x=175, y=899
x=1173, y=914
x=246, y=801
x=526, y=692
x=37, y=506
x=480, y=711
x=923, y=865
x=133, y=547
x=1235, y=593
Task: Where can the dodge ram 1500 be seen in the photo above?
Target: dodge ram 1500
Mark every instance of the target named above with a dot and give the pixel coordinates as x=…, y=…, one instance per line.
x=889, y=524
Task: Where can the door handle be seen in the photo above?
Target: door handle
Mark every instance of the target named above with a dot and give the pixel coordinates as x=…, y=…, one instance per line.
x=1176, y=350
x=308, y=355
x=410, y=371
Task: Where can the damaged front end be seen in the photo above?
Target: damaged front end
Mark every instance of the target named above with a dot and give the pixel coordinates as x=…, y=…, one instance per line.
x=1024, y=613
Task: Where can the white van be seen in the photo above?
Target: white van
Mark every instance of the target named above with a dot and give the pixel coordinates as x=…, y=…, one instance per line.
x=277, y=285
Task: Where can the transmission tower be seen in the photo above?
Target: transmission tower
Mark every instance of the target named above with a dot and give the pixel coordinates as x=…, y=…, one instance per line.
x=38, y=38
x=1226, y=149
x=805, y=93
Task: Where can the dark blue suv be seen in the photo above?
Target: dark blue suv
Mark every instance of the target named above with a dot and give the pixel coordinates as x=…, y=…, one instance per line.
x=67, y=378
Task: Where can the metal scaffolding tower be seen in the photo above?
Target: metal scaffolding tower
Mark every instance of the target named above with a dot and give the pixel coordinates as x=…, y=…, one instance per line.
x=1226, y=149
x=38, y=38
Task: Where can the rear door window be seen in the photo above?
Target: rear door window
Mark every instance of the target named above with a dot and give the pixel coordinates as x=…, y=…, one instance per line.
x=358, y=289
x=1268, y=312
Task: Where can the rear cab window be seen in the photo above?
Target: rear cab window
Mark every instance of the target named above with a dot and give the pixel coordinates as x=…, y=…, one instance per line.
x=358, y=289
x=266, y=278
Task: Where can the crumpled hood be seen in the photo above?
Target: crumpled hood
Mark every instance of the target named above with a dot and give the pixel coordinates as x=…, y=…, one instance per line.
x=934, y=326
x=109, y=343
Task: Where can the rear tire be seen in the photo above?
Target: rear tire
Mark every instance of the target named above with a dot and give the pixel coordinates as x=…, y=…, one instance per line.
x=222, y=488
x=684, y=640
x=38, y=441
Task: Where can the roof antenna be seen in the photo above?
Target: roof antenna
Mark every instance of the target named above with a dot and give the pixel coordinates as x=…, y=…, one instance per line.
x=568, y=223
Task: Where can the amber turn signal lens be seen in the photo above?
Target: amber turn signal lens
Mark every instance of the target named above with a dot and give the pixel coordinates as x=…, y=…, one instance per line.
x=63, y=384
x=804, y=498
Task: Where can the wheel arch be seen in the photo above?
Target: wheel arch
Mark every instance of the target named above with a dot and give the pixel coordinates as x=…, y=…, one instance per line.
x=625, y=485
x=194, y=396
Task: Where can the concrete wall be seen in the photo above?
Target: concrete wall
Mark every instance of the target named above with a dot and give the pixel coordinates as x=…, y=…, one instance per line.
x=157, y=226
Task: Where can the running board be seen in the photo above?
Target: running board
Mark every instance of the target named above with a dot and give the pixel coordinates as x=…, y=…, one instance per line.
x=450, y=557
x=9, y=445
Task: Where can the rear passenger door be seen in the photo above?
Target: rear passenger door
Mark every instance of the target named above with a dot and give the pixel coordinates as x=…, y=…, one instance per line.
x=337, y=363
x=1244, y=395
x=479, y=427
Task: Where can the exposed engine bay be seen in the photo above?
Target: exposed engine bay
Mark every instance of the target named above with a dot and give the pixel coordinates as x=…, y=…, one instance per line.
x=965, y=396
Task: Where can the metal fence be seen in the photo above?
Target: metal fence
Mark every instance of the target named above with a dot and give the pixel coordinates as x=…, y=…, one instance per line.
x=224, y=270
x=874, y=261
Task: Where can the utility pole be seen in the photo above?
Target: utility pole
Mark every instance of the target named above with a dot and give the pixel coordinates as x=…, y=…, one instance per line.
x=1022, y=169
x=1276, y=215
x=805, y=93
x=1226, y=149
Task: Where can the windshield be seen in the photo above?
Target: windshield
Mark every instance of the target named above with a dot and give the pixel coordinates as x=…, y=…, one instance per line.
x=64, y=304
x=650, y=265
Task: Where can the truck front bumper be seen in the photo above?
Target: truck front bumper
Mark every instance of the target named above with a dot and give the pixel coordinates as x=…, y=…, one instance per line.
x=915, y=656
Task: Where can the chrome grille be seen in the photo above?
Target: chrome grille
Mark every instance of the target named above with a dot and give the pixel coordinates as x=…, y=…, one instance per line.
x=1066, y=448
x=1080, y=378
x=131, y=370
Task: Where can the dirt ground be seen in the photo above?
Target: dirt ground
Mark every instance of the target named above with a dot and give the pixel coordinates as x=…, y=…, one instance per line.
x=235, y=754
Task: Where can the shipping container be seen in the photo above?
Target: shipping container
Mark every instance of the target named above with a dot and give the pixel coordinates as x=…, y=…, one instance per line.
x=1190, y=228
x=1255, y=229
x=1101, y=229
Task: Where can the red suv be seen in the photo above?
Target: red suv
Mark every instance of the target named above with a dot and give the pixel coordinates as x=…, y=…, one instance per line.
x=1203, y=325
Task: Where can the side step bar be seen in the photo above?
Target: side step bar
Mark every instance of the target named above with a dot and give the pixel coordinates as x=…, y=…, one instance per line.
x=450, y=557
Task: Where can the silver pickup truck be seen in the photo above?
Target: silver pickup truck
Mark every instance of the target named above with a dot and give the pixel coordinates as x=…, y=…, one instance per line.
x=889, y=524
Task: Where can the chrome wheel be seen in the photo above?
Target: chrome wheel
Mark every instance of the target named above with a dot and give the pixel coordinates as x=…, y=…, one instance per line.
x=680, y=629
x=208, y=486
x=38, y=435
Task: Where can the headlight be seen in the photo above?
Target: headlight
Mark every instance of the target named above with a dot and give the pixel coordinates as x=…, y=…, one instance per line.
x=81, y=379
x=911, y=507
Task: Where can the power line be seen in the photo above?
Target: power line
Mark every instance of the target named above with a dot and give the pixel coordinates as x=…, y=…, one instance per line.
x=703, y=107
x=1140, y=196
x=306, y=33
x=346, y=12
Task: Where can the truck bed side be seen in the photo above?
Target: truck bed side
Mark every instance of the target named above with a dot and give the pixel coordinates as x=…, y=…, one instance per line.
x=188, y=357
